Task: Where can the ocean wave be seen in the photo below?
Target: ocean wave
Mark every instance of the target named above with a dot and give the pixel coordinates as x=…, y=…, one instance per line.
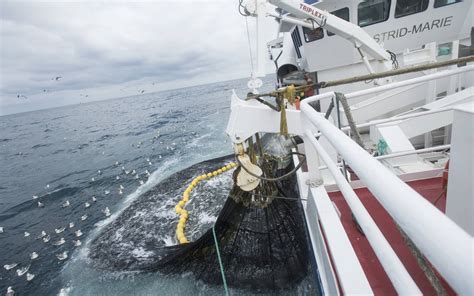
x=40, y=146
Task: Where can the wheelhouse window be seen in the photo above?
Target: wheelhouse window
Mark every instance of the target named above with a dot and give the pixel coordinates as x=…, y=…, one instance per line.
x=408, y=7
x=311, y=35
x=441, y=3
x=373, y=11
x=342, y=13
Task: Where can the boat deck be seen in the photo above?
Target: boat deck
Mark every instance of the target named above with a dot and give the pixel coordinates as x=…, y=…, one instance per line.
x=378, y=279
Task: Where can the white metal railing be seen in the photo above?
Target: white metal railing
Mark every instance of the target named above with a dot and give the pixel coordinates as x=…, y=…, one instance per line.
x=447, y=246
x=397, y=273
x=418, y=80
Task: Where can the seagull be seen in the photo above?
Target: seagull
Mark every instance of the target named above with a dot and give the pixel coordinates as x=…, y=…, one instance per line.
x=121, y=187
x=117, y=178
x=123, y=168
x=10, y=266
x=92, y=179
x=35, y=196
x=33, y=255
x=106, y=211
x=120, y=192
x=59, y=230
x=57, y=78
x=62, y=256
x=94, y=199
x=99, y=172
x=77, y=243
x=134, y=172
x=10, y=291
x=1, y=229
x=141, y=182
x=27, y=234
x=116, y=163
x=78, y=233
x=149, y=163
x=127, y=172
x=136, y=176
x=71, y=225
x=159, y=156
x=61, y=241
x=47, y=185
x=22, y=271
x=66, y=204
x=107, y=192
x=83, y=218
x=147, y=159
x=43, y=234
x=21, y=97
x=29, y=276
x=40, y=204
x=46, y=238
x=87, y=204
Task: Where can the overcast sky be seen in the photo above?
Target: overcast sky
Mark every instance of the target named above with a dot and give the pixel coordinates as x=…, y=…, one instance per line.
x=105, y=49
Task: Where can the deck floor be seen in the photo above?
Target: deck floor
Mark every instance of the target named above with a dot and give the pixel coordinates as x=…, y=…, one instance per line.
x=378, y=279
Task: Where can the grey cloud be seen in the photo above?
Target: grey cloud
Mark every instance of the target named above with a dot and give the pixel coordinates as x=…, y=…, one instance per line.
x=96, y=44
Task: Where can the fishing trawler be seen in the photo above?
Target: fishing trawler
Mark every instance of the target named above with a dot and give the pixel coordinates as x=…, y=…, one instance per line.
x=354, y=174
x=377, y=99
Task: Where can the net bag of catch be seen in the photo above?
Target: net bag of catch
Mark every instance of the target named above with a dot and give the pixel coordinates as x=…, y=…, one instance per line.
x=261, y=238
x=261, y=234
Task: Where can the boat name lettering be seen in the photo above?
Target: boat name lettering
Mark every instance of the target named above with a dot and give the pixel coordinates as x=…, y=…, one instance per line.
x=311, y=10
x=418, y=28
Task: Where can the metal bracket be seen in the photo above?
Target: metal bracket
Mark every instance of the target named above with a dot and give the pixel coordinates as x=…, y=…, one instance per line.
x=314, y=183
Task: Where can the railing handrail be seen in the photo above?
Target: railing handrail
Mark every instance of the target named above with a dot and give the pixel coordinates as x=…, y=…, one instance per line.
x=446, y=245
x=401, y=279
x=390, y=86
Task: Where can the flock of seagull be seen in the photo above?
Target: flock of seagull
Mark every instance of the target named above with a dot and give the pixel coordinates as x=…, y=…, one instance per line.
x=58, y=78
x=45, y=237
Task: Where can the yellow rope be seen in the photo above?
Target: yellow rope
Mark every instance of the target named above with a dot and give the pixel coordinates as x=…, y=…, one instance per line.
x=180, y=206
x=283, y=121
x=290, y=94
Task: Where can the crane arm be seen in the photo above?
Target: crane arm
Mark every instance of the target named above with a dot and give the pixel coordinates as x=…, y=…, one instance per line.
x=345, y=29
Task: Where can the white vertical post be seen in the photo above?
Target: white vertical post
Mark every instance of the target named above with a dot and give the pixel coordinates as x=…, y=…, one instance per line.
x=261, y=44
x=460, y=199
x=431, y=89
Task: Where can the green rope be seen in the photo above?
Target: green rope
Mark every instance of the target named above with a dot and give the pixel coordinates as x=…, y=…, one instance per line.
x=220, y=260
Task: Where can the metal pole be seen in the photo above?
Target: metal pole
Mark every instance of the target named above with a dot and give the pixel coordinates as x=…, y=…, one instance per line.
x=409, y=82
x=392, y=265
x=396, y=72
x=447, y=246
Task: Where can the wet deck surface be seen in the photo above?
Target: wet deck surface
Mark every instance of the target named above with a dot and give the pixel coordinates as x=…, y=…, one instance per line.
x=378, y=279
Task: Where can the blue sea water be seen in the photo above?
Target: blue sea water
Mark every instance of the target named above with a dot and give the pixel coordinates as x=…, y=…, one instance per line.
x=83, y=151
x=78, y=152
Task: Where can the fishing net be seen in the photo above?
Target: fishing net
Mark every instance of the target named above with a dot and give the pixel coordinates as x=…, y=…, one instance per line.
x=261, y=234
x=261, y=238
